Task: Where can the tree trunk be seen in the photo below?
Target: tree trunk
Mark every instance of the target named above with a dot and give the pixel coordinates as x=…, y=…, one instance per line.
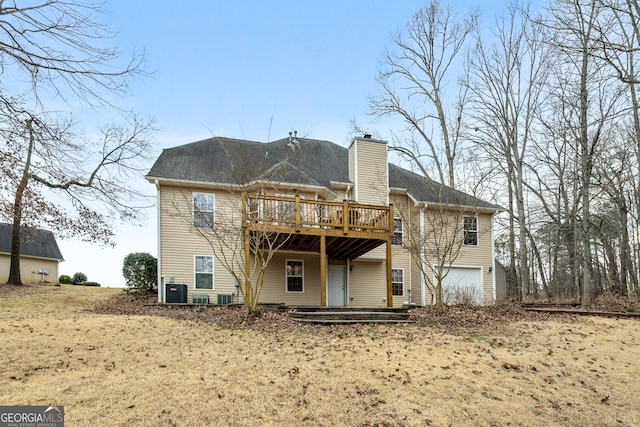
x=14, y=268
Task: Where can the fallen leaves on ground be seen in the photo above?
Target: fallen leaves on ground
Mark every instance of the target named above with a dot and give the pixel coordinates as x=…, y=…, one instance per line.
x=452, y=318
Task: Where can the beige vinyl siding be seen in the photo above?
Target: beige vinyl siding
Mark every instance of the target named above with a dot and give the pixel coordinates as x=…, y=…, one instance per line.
x=180, y=242
x=401, y=258
x=478, y=256
x=274, y=289
x=368, y=284
x=371, y=177
x=29, y=268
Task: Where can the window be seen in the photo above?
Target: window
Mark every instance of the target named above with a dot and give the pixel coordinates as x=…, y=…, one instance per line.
x=295, y=276
x=203, y=206
x=203, y=272
x=470, y=227
x=397, y=232
x=397, y=282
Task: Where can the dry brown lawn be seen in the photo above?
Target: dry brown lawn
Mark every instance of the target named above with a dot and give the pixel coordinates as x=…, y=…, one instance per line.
x=180, y=368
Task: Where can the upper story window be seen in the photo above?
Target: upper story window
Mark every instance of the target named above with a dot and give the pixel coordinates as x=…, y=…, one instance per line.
x=295, y=276
x=203, y=208
x=397, y=232
x=470, y=229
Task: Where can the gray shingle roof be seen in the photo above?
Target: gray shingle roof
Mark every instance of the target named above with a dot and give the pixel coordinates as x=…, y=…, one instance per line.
x=33, y=242
x=309, y=161
x=232, y=161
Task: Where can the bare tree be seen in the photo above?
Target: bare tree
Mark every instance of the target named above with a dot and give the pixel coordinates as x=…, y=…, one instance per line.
x=438, y=239
x=574, y=25
x=413, y=87
x=507, y=83
x=54, y=178
x=253, y=198
x=59, y=47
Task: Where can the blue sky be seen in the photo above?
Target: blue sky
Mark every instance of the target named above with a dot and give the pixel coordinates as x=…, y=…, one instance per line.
x=245, y=69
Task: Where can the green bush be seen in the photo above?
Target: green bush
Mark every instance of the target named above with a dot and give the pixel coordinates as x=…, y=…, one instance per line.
x=79, y=278
x=65, y=280
x=140, y=270
x=91, y=284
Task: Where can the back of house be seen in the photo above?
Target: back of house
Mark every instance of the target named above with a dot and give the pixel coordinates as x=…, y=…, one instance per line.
x=318, y=224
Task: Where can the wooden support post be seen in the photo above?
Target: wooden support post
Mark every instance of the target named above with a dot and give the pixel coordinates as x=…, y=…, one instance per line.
x=298, y=213
x=247, y=266
x=323, y=271
x=345, y=217
x=244, y=208
x=389, y=287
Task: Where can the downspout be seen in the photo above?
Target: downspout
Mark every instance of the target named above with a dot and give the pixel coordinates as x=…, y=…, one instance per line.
x=356, y=180
x=410, y=263
x=423, y=261
x=161, y=296
x=347, y=293
x=493, y=259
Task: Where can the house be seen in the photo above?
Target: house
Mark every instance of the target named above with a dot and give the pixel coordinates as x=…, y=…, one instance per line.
x=354, y=230
x=39, y=255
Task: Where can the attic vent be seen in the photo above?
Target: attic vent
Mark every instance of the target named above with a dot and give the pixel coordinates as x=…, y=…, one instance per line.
x=367, y=136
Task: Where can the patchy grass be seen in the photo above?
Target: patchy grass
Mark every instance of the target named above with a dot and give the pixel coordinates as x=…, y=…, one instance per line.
x=110, y=360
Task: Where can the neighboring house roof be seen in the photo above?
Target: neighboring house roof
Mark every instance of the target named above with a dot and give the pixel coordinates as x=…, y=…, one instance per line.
x=304, y=162
x=33, y=242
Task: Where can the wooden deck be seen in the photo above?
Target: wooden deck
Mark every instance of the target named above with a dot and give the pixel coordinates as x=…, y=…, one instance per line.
x=336, y=230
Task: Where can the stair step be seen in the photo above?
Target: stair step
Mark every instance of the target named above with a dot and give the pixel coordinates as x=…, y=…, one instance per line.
x=337, y=316
x=311, y=320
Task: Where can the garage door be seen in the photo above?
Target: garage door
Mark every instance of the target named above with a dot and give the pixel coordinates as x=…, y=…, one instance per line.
x=462, y=286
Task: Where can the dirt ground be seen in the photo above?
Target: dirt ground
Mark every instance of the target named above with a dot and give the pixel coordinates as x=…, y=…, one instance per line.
x=150, y=366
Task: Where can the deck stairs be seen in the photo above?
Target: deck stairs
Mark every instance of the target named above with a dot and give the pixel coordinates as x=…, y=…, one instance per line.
x=338, y=315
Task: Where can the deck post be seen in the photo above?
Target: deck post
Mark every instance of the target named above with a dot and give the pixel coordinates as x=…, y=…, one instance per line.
x=389, y=287
x=298, y=213
x=323, y=271
x=247, y=266
x=345, y=216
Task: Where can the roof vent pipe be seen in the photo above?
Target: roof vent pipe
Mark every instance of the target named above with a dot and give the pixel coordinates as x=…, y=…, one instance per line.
x=293, y=141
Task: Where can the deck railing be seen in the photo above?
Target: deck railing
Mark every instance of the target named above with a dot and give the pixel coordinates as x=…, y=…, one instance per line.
x=304, y=213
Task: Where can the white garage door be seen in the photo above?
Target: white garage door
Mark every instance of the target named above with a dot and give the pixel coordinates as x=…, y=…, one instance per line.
x=462, y=286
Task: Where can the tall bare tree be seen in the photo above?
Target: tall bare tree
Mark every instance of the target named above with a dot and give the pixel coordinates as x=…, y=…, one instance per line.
x=507, y=80
x=52, y=49
x=56, y=179
x=574, y=25
x=414, y=86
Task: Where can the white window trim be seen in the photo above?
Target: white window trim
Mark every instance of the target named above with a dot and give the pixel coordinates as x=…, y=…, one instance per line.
x=392, y=282
x=464, y=230
x=193, y=207
x=195, y=273
x=286, y=276
x=401, y=232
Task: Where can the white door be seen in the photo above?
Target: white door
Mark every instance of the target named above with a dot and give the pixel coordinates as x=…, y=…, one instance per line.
x=336, y=286
x=462, y=285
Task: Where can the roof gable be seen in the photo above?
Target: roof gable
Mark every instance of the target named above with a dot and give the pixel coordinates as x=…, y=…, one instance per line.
x=33, y=242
